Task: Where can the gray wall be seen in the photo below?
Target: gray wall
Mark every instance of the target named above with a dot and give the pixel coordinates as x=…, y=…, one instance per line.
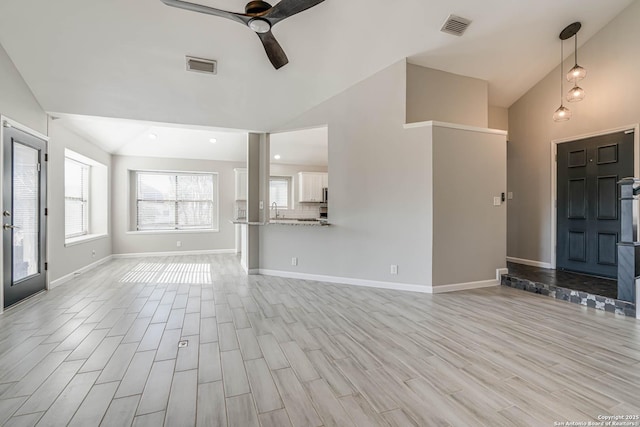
x=124, y=241
x=16, y=100
x=612, y=58
x=441, y=96
x=380, y=203
x=469, y=233
x=65, y=260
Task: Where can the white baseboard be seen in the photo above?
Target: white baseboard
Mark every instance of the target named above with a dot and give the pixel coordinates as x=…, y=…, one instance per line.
x=67, y=277
x=464, y=286
x=347, y=281
x=529, y=262
x=175, y=253
x=500, y=272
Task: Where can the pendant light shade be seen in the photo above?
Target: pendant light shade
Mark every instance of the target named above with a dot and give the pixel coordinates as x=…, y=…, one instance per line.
x=576, y=74
x=576, y=94
x=562, y=114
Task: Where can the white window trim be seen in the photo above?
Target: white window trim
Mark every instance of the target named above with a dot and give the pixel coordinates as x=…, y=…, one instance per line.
x=87, y=214
x=133, y=198
x=289, y=179
x=72, y=241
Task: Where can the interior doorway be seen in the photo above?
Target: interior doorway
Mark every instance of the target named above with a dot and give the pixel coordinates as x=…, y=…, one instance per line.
x=588, y=217
x=24, y=192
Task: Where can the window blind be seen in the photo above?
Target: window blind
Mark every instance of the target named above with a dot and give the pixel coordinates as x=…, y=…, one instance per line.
x=279, y=191
x=172, y=201
x=76, y=198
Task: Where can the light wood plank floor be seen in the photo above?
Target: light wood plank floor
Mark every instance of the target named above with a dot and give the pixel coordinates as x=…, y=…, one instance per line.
x=103, y=350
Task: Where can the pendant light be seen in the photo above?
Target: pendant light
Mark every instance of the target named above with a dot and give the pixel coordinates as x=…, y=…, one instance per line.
x=574, y=75
x=562, y=114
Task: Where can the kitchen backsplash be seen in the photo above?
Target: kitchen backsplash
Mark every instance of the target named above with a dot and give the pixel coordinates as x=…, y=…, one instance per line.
x=301, y=211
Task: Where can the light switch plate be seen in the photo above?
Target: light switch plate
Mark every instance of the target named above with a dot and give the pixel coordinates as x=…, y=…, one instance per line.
x=496, y=201
x=510, y=195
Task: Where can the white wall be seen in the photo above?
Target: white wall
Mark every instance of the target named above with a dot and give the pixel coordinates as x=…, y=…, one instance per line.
x=16, y=100
x=126, y=241
x=380, y=205
x=64, y=260
x=446, y=97
x=612, y=59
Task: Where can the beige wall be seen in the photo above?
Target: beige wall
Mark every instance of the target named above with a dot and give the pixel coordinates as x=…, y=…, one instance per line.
x=380, y=203
x=63, y=259
x=125, y=241
x=498, y=118
x=441, y=96
x=469, y=232
x=612, y=58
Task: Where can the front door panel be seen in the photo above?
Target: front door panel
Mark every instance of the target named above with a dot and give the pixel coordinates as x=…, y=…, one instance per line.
x=588, y=207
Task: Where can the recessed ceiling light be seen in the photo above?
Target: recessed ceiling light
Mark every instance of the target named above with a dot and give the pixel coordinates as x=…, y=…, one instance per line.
x=153, y=136
x=213, y=140
x=277, y=157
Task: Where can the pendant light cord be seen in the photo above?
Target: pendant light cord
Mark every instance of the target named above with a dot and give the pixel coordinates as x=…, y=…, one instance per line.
x=576, y=48
x=561, y=70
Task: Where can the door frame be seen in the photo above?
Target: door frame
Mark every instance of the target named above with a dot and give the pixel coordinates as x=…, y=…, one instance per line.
x=26, y=129
x=554, y=178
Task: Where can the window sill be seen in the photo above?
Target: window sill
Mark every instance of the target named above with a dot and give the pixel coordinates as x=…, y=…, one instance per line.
x=83, y=239
x=152, y=232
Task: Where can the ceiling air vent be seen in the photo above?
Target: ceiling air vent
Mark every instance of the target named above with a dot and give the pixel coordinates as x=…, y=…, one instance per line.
x=208, y=66
x=455, y=25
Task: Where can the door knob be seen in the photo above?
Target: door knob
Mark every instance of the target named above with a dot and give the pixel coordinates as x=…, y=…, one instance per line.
x=9, y=226
x=6, y=213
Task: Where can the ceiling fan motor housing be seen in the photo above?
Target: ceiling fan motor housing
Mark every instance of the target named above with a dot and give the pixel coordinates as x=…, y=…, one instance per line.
x=256, y=7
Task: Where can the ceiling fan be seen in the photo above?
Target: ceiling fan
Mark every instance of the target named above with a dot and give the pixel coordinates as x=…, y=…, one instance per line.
x=259, y=16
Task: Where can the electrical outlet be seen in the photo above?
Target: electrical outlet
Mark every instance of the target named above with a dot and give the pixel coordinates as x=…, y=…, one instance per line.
x=179, y=243
x=93, y=254
x=510, y=195
x=294, y=261
x=261, y=204
x=394, y=269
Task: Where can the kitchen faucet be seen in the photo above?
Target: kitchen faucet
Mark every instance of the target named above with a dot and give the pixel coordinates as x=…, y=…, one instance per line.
x=274, y=206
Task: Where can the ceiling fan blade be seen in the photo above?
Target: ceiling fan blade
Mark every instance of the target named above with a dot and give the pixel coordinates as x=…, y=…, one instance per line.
x=238, y=17
x=287, y=8
x=274, y=51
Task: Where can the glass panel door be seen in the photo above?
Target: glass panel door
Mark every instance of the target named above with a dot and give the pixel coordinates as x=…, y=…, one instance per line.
x=23, y=214
x=26, y=195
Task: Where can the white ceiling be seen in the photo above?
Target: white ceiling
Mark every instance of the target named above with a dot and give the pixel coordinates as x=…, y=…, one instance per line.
x=301, y=147
x=147, y=139
x=123, y=58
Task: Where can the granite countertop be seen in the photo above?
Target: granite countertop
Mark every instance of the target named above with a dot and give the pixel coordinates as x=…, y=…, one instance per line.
x=288, y=221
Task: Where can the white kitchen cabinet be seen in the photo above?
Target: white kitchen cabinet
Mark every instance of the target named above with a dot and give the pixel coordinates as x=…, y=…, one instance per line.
x=241, y=184
x=310, y=185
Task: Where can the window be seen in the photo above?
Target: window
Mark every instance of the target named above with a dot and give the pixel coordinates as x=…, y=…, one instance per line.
x=279, y=191
x=76, y=198
x=176, y=201
x=86, y=198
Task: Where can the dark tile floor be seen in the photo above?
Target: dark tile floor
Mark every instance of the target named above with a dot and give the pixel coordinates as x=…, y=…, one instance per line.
x=579, y=282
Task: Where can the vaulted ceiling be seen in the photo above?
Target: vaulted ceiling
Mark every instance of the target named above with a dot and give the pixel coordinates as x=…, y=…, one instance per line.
x=126, y=59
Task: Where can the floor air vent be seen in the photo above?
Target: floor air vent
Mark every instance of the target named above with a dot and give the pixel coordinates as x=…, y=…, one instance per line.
x=455, y=25
x=199, y=65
